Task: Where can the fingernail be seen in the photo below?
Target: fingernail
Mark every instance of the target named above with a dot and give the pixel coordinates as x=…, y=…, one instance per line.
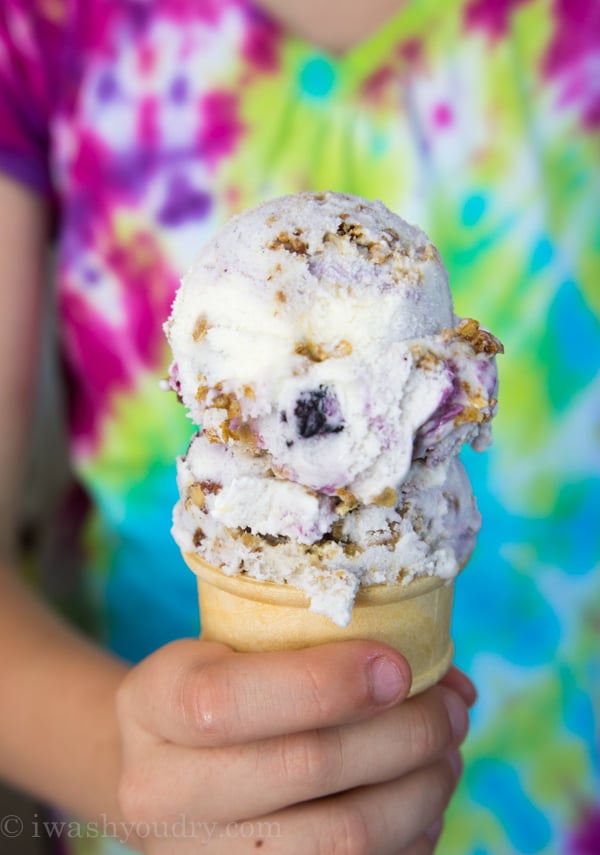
x=469, y=692
x=457, y=713
x=456, y=762
x=386, y=681
x=434, y=830
x=459, y=682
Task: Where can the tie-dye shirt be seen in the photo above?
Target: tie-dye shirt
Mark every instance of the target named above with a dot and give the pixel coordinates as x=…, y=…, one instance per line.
x=147, y=123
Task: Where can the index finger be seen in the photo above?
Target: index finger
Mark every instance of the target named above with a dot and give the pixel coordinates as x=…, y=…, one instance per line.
x=202, y=694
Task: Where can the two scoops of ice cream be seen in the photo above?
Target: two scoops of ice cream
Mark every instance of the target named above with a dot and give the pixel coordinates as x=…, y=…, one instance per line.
x=316, y=348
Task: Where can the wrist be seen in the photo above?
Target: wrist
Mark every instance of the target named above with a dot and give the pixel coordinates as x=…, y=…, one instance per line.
x=59, y=738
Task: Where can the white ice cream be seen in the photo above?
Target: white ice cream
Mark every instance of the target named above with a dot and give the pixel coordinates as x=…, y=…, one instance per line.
x=314, y=341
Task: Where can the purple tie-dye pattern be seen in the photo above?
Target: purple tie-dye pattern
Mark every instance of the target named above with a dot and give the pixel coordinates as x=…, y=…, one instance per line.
x=91, y=276
x=179, y=91
x=106, y=181
x=585, y=838
x=108, y=87
x=105, y=176
x=184, y=202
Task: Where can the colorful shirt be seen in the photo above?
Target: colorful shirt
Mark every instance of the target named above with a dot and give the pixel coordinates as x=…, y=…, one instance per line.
x=147, y=123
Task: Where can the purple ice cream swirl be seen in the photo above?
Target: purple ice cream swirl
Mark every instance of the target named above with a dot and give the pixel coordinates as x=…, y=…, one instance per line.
x=468, y=404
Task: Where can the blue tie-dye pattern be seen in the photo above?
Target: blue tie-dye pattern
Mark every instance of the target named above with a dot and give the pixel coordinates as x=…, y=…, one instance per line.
x=572, y=350
x=317, y=77
x=146, y=557
x=578, y=712
x=473, y=210
x=542, y=255
x=572, y=539
x=494, y=599
x=496, y=786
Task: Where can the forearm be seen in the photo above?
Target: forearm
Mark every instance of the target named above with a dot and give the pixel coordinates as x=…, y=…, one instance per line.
x=58, y=730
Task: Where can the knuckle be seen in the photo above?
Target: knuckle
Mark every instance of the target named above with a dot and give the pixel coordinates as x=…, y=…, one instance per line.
x=443, y=784
x=346, y=832
x=313, y=760
x=313, y=689
x=205, y=703
x=133, y=798
x=422, y=846
x=431, y=731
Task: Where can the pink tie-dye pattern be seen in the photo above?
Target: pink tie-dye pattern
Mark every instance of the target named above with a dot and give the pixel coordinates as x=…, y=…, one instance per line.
x=96, y=369
x=146, y=289
x=442, y=116
x=146, y=59
x=376, y=85
x=573, y=57
x=261, y=43
x=149, y=288
x=105, y=182
x=493, y=16
x=148, y=132
x=222, y=128
x=126, y=172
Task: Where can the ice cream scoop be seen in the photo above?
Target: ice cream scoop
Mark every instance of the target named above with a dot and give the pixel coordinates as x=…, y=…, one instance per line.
x=315, y=346
x=319, y=330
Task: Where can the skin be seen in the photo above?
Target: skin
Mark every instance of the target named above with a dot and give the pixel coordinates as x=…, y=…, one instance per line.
x=336, y=26
x=321, y=742
x=318, y=744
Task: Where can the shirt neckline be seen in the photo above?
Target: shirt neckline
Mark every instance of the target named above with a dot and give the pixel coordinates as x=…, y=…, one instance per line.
x=411, y=23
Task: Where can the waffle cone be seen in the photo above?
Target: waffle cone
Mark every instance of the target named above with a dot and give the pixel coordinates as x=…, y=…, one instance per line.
x=253, y=616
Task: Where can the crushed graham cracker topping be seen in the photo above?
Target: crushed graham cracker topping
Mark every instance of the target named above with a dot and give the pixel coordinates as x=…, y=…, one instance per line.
x=378, y=251
x=347, y=501
x=291, y=243
x=319, y=352
x=197, y=492
x=352, y=549
x=424, y=358
x=201, y=393
x=200, y=328
x=388, y=498
x=428, y=252
x=481, y=340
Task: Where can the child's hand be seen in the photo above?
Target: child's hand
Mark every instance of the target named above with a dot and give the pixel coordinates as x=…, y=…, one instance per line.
x=311, y=751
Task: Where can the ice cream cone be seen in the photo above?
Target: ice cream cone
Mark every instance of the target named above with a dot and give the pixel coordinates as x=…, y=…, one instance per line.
x=253, y=616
